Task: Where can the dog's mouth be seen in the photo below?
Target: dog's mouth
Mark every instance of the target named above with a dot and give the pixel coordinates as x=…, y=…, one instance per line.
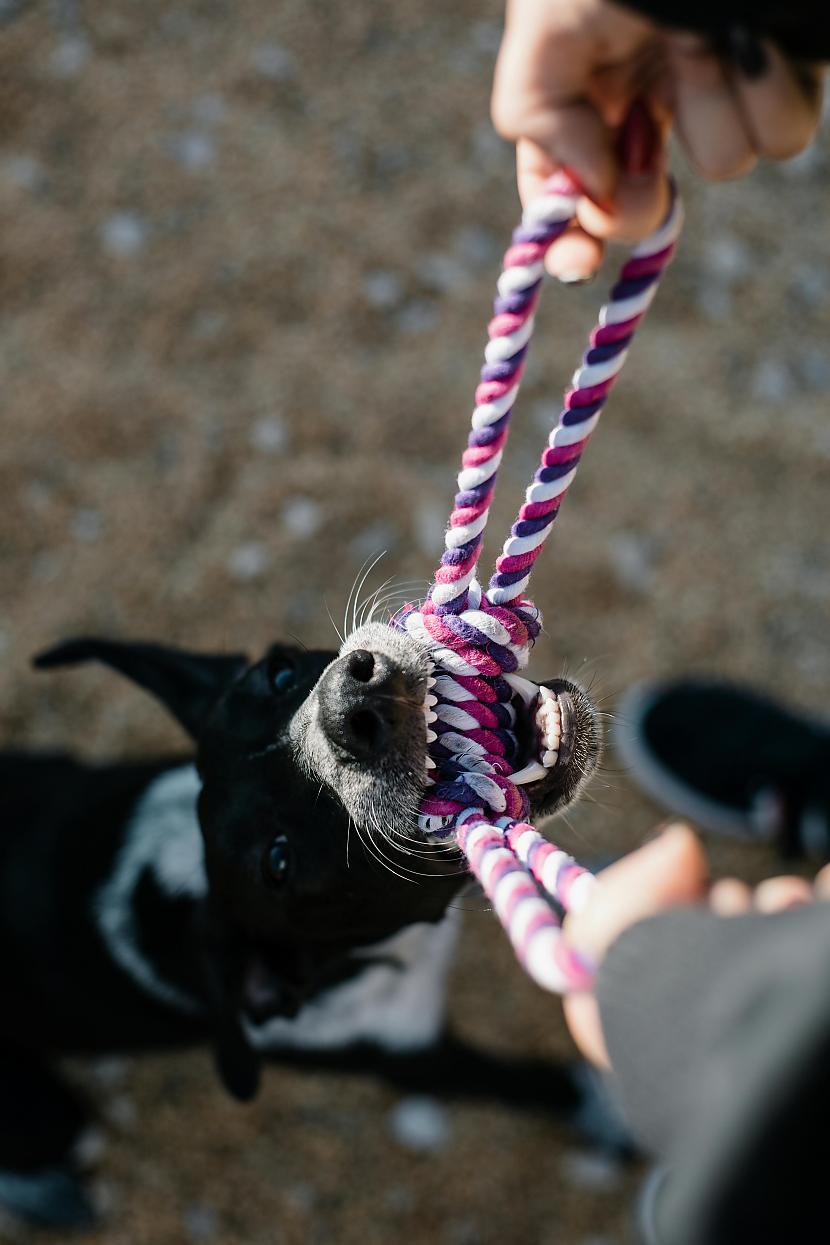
x=545, y=724
x=557, y=734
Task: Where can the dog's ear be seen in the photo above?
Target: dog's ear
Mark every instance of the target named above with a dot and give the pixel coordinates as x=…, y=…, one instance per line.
x=223, y=958
x=189, y=684
x=238, y=1065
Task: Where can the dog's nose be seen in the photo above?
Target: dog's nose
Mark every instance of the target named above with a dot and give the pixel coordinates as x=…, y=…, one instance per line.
x=366, y=703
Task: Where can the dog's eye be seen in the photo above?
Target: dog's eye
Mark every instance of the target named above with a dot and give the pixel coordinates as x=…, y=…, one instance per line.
x=282, y=674
x=276, y=861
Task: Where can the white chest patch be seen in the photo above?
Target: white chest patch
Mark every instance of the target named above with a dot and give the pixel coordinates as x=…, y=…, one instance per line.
x=398, y=1009
x=163, y=837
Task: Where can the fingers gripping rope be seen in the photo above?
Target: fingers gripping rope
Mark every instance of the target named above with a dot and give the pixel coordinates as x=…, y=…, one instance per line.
x=476, y=640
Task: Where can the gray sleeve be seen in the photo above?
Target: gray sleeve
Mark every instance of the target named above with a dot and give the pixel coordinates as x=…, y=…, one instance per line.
x=674, y=988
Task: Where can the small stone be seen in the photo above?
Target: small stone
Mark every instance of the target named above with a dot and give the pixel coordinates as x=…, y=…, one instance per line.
x=269, y=434
x=208, y=323
x=379, y=537
x=489, y=151
x=382, y=289
x=633, y=559
x=86, y=526
x=200, y=1222
x=430, y=523
x=23, y=171
x=105, y=1198
x=418, y=316
x=302, y=516
x=715, y=301
x=399, y=1200
x=486, y=37
x=274, y=62
x=45, y=567
x=193, y=150
x=421, y=1124
x=110, y=1071
x=209, y=109
x=443, y=272
x=811, y=284
x=591, y=1170
x=121, y=1111
x=124, y=234
x=301, y=1197
x=476, y=247
x=248, y=561
x=70, y=57
x=814, y=367
x=38, y=496
x=90, y=1148
x=773, y=381
x=727, y=259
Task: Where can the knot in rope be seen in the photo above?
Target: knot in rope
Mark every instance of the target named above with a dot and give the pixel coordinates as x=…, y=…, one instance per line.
x=471, y=719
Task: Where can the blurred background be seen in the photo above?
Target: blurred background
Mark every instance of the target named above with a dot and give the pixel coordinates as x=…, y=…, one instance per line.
x=248, y=254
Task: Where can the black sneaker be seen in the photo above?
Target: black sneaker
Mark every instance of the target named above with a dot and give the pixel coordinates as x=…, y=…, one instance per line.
x=731, y=760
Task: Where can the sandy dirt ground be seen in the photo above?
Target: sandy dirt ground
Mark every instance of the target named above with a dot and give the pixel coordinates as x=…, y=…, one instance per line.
x=248, y=251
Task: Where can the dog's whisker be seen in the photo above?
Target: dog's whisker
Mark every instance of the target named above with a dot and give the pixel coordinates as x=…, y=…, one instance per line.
x=340, y=637
x=399, y=594
x=359, y=588
x=351, y=593
x=361, y=606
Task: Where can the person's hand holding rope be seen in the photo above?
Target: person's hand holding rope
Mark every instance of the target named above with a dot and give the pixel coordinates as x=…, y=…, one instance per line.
x=669, y=872
x=568, y=75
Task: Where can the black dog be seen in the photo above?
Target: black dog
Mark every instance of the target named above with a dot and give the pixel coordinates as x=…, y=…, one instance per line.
x=300, y=915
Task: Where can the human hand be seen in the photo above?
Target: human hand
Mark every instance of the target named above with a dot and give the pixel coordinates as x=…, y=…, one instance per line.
x=568, y=76
x=671, y=870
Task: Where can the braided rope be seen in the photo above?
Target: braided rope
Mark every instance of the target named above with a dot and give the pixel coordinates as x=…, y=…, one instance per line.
x=476, y=640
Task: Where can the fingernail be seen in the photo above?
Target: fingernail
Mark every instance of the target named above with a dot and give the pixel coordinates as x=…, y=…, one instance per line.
x=745, y=48
x=742, y=48
x=575, y=278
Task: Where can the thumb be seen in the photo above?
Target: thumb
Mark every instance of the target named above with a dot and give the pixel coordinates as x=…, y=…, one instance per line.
x=670, y=870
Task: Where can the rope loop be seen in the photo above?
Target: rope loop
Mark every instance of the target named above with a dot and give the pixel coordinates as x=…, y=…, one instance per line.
x=478, y=640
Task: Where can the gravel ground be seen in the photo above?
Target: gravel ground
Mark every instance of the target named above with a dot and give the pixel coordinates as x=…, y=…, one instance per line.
x=248, y=252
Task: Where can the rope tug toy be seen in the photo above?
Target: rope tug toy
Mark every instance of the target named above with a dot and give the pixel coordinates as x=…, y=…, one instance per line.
x=477, y=640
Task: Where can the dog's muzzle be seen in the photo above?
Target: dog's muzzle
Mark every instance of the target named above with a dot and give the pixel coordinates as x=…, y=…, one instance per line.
x=366, y=705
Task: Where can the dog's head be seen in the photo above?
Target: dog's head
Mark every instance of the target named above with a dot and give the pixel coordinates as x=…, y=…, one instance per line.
x=313, y=766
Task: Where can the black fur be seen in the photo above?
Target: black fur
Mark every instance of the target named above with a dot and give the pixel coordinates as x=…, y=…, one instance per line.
x=257, y=943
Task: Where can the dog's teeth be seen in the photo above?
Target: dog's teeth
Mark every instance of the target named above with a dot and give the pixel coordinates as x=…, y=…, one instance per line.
x=430, y=764
x=431, y=681
x=431, y=700
x=430, y=716
x=531, y=773
x=429, y=825
x=549, y=758
x=431, y=737
x=527, y=690
x=547, y=694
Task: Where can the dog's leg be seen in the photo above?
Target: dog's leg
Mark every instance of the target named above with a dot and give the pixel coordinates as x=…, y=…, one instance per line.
x=40, y=1121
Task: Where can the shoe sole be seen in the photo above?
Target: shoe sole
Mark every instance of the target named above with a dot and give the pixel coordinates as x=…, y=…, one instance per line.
x=658, y=782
